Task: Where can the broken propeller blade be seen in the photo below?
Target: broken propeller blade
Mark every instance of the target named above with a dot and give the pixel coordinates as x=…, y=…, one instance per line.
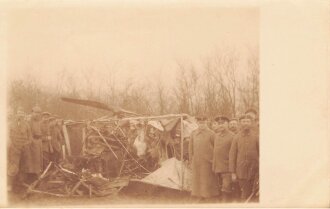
x=97, y=104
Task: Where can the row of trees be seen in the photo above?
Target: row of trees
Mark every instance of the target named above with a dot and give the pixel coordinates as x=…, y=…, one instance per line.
x=215, y=87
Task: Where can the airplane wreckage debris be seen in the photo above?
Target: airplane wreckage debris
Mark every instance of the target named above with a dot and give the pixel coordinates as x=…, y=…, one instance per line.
x=103, y=155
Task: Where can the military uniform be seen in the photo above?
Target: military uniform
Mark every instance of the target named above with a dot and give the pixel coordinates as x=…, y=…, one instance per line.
x=20, y=139
x=234, y=131
x=201, y=155
x=222, y=144
x=47, y=148
x=244, y=159
x=36, y=147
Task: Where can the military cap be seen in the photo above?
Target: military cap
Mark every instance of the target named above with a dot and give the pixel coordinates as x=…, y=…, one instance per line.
x=36, y=109
x=201, y=118
x=251, y=111
x=20, y=113
x=46, y=113
x=51, y=118
x=233, y=119
x=245, y=117
x=221, y=119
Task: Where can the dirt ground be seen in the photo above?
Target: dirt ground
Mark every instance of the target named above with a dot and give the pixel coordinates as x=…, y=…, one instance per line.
x=135, y=193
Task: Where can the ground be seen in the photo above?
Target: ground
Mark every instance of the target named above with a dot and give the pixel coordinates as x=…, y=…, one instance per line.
x=135, y=193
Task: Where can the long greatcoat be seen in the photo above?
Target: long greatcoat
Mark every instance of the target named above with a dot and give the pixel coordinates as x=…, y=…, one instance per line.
x=20, y=140
x=201, y=154
x=244, y=154
x=222, y=144
x=33, y=155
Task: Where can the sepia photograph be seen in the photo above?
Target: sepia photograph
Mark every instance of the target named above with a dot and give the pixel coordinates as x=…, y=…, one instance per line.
x=150, y=104
x=133, y=104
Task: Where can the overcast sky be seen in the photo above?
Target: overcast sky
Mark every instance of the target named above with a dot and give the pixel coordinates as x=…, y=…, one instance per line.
x=137, y=41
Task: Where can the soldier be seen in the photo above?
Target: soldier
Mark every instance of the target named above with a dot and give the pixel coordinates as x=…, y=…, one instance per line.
x=36, y=147
x=20, y=138
x=214, y=125
x=254, y=118
x=244, y=156
x=233, y=125
x=201, y=156
x=251, y=113
x=47, y=149
x=222, y=144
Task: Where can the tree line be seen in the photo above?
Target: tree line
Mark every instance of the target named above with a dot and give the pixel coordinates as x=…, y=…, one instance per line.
x=215, y=87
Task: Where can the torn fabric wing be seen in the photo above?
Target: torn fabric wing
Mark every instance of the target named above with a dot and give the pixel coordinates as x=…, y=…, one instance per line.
x=169, y=175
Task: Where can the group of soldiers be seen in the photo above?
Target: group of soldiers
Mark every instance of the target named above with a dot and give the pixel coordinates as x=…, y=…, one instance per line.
x=34, y=140
x=224, y=153
x=224, y=156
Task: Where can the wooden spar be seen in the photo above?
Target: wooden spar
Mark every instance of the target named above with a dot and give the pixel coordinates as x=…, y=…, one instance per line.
x=67, y=140
x=130, y=153
x=101, y=120
x=182, y=162
x=49, y=193
x=84, y=140
x=90, y=190
x=156, y=117
x=145, y=117
x=72, y=123
x=63, y=152
x=105, y=141
x=34, y=184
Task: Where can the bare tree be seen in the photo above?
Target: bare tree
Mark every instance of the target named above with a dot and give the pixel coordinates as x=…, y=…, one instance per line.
x=249, y=87
x=212, y=88
x=162, y=97
x=220, y=83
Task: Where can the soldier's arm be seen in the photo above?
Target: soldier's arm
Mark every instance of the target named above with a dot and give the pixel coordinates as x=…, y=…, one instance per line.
x=191, y=147
x=10, y=130
x=213, y=158
x=29, y=132
x=49, y=137
x=11, y=133
x=233, y=156
x=212, y=138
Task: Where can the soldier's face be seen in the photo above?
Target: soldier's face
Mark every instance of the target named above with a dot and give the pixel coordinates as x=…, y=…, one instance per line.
x=214, y=125
x=223, y=125
x=233, y=124
x=20, y=117
x=51, y=122
x=246, y=123
x=36, y=116
x=202, y=124
x=44, y=118
x=252, y=115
